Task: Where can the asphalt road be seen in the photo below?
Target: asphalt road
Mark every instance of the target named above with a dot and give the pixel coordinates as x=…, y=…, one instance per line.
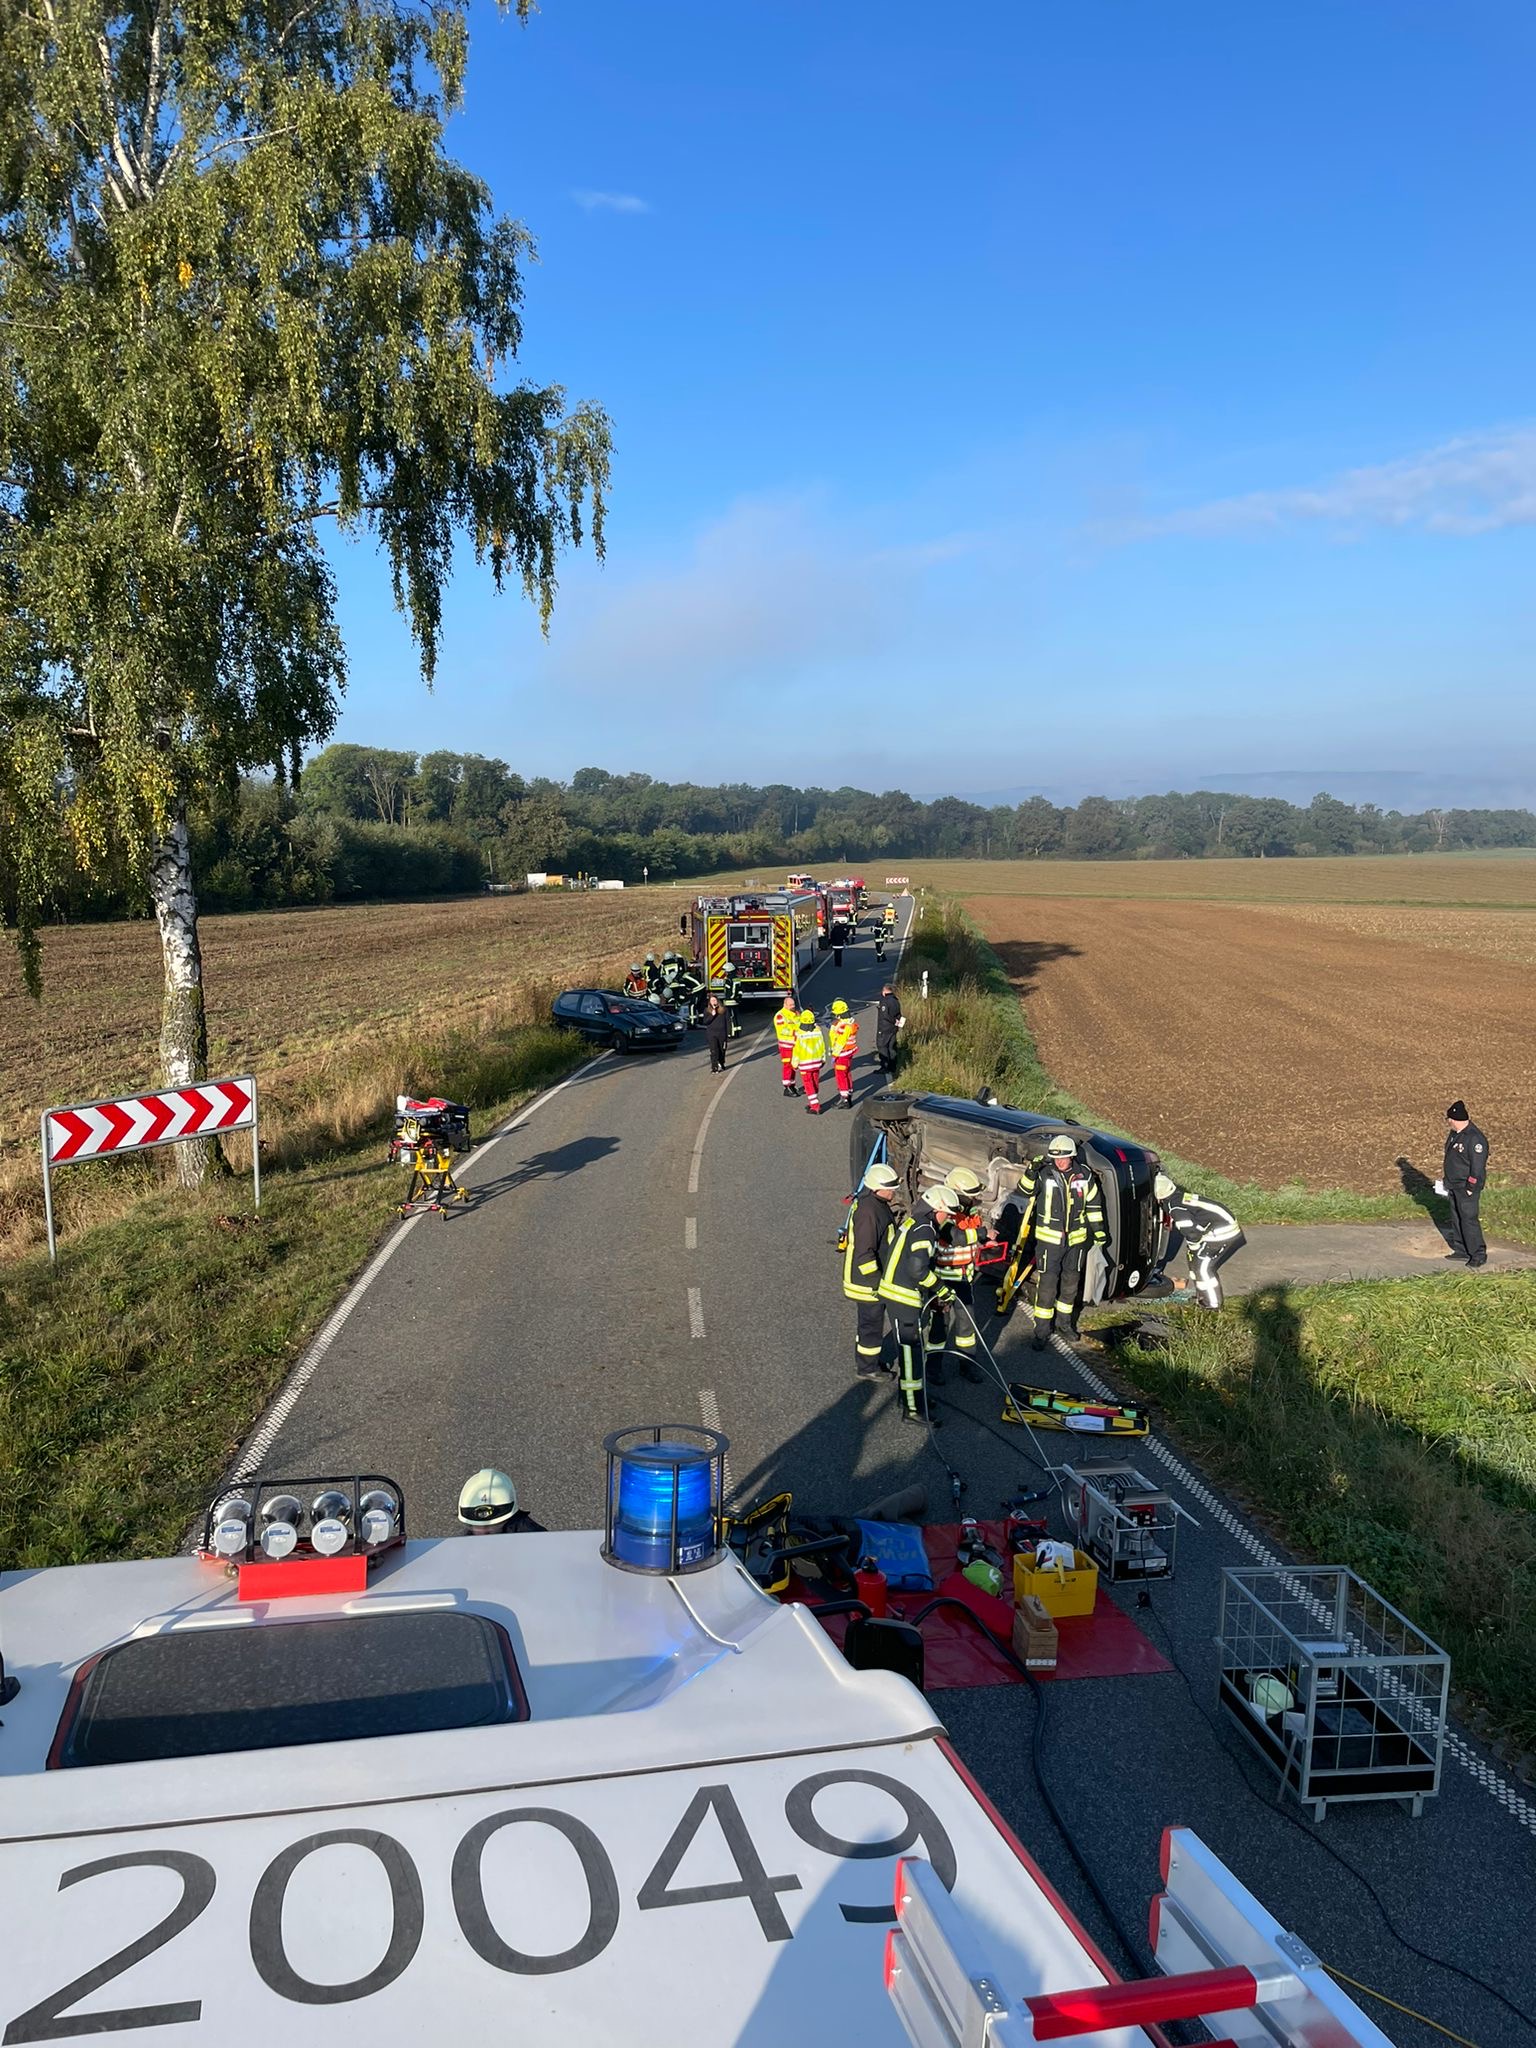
x=654, y=1243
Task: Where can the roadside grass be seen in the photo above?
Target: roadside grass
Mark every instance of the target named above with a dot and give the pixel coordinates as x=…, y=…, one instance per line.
x=1389, y=1425
x=130, y=1377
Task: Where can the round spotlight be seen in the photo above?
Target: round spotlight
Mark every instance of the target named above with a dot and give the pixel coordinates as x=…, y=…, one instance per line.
x=378, y=1518
x=231, y=1536
x=332, y=1505
x=329, y=1535
x=279, y=1540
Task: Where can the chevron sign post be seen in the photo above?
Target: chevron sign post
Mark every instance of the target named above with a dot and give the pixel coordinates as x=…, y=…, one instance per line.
x=134, y=1123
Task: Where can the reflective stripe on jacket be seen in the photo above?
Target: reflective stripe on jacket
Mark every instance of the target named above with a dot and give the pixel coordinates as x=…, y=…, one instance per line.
x=810, y=1047
x=909, y=1277
x=844, y=1035
x=786, y=1026
x=870, y=1229
x=1065, y=1208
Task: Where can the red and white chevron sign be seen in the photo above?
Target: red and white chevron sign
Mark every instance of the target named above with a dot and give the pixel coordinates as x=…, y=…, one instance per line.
x=95, y=1130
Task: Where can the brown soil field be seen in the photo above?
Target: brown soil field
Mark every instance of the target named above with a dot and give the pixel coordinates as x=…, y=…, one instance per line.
x=1277, y=1046
x=288, y=988
x=1506, y=880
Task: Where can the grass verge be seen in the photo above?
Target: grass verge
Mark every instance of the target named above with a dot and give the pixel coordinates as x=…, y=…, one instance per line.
x=1389, y=1425
x=131, y=1375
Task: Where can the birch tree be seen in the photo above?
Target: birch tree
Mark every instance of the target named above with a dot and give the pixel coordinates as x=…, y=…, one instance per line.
x=246, y=297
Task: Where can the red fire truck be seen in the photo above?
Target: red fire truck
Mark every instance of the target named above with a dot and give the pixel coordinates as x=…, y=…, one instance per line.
x=770, y=939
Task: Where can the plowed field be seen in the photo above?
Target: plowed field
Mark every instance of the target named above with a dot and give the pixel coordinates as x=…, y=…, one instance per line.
x=1280, y=1047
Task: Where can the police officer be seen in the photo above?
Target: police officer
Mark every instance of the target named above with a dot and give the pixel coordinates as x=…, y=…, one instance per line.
x=913, y=1286
x=888, y=1021
x=488, y=1507
x=1063, y=1206
x=1466, y=1175
x=1210, y=1233
x=866, y=1243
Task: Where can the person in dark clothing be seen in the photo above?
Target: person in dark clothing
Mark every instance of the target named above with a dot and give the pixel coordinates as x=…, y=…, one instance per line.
x=1466, y=1175
x=1210, y=1235
x=888, y=1021
x=866, y=1242
x=879, y=941
x=717, y=1027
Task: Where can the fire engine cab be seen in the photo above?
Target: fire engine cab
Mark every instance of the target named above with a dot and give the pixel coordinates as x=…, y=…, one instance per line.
x=590, y=1788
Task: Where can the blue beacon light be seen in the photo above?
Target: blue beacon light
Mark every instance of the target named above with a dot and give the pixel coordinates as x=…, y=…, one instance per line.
x=664, y=1498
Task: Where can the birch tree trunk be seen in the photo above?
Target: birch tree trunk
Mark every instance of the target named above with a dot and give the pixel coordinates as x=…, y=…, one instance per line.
x=183, y=1021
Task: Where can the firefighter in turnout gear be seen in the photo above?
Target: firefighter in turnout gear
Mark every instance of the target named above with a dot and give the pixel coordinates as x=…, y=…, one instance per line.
x=844, y=1041
x=866, y=1241
x=810, y=1058
x=730, y=997
x=1064, y=1209
x=1210, y=1233
x=635, y=983
x=1465, y=1176
x=786, y=1029
x=652, y=972
x=966, y=1230
x=911, y=1284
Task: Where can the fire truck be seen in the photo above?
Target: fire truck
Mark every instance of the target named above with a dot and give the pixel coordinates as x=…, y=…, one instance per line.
x=539, y=1788
x=843, y=901
x=770, y=939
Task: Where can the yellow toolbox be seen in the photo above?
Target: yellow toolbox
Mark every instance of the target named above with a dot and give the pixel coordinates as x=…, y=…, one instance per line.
x=1061, y=1594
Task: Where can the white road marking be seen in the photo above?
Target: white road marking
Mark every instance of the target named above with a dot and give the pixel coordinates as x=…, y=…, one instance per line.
x=690, y=1234
x=709, y=1409
x=695, y=1312
x=698, y=1144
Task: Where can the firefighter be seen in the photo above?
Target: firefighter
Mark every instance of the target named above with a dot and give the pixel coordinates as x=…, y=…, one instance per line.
x=912, y=1285
x=844, y=1040
x=866, y=1241
x=786, y=1029
x=652, y=975
x=1063, y=1206
x=1211, y=1235
x=635, y=982
x=1465, y=1175
x=730, y=997
x=890, y=916
x=966, y=1231
x=671, y=973
x=810, y=1058
x=488, y=1507
x=879, y=941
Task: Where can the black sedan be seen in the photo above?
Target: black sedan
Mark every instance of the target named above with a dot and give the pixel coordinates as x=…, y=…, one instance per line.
x=627, y=1023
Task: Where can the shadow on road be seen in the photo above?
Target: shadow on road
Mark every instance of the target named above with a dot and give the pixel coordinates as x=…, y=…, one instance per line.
x=559, y=1163
x=822, y=1464
x=1422, y=1188
x=1023, y=958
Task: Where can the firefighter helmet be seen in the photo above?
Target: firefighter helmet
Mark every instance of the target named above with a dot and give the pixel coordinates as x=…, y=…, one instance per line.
x=965, y=1183
x=881, y=1177
x=807, y=1017
x=941, y=1196
x=1061, y=1145
x=839, y=1008
x=1163, y=1187
x=487, y=1501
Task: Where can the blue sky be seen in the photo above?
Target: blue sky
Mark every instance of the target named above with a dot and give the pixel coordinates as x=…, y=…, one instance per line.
x=1098, y=394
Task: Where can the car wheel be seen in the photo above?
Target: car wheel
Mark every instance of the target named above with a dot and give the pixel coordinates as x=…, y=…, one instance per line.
x=620, y=1041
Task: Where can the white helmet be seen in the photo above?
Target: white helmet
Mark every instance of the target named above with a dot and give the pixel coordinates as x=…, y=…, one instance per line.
x=487, y=1502
x=1163, y=1187
x=881, y=1177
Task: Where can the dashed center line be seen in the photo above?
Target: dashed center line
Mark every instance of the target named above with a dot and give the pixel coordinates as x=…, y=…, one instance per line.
x=690, y=1233
x=695, y=1312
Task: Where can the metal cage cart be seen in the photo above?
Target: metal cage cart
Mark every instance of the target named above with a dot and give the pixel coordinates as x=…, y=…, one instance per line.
x=1340, y=1694
x=1123, y=1520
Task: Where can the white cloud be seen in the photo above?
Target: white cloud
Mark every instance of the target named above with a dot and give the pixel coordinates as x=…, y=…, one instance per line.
x=1477, y=483
x=611, y=202
x=769, y=589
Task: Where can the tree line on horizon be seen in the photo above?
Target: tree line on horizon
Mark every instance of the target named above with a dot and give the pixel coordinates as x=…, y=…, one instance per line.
x=375, y=822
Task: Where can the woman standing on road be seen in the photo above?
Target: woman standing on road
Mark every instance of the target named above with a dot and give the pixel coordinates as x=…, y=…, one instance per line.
x=716, y=1026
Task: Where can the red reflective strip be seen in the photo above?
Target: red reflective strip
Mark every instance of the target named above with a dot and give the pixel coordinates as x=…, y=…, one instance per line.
x=1098, y=2007
x=119, y=1124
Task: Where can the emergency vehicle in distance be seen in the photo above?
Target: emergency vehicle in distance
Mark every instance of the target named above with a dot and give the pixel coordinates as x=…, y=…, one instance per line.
x=843, y=903
x=544, y=1788
x=769, y=936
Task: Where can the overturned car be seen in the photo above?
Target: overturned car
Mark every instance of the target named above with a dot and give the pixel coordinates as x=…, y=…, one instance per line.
x=924, y=1137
